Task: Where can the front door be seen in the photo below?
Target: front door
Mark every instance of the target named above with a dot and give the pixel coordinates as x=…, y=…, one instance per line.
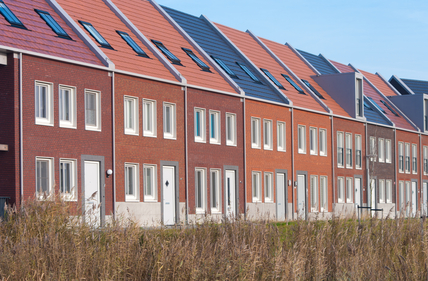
x=414, y=198
x=425, y=199
x=281, y=202
x=168, y=195
x=92, y=192
x=230, y=194
x=301, y=198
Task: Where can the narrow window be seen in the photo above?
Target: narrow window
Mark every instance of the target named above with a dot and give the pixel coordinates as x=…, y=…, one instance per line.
x=381, y=150
x=281, y=139
x=301, y=139
x=199, y=125
x=341, y=190
x=349, y=190
x=224, y=67
x=169, y=121
x=67, y=107
x=313, y=141
x=426, y=114
x=92, y=111
x=267, y=134
x=400, y=157
x=407, y=147
x=197, y=60
x=131, y=182
x=389, y=107
x=255, y=132
x=215, y=191
x=67, y=179
x=340, y=149
x=292, y=83
x=373, y=151
x=149, y=118
x=230, y=129
x=359, y=94
x=377, y=106
x=381, y=191
x=167, y=52
x=150, y=183
x=256, y=186
x=425, y=160
x=388, y=191
x=52, y=24
x=128, y=39
x=215, y=127
x=358, y=152
x=414, y=159
x=273, y=79
x=323, y=142
x=9, y=16
x=313, y=89
x=94, y=33
x=268, y=187
x=348, y=140
x=249, y=73
x=44, y=104
x=131, y=115
x=388, y=156
x=200, y=190
x=314, y=193
x=44, y=177
x=402, y=196
x=323, y=194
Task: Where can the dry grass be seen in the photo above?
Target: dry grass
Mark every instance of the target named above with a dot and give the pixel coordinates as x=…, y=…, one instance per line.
x=40, y=241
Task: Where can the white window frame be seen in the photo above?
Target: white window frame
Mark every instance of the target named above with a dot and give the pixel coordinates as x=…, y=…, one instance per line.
x=314, y=194
x=215, y=189
x=50, y=177
x=130, y=114
x=401, y=155
x=401, y=196
x=323, y=193
x=201, y=125
x=72, y=195
x=372, y=147
x=407, y=158
x=268, y=180
x=149, y=118
x=281, y=140
x=323, y=142
x=388, y=155
x=349, y=152
x=425, y=160
x=301, y=139
x=97, y=125
x=202, y=189
x=340, y=190
x=47, y=120
x=231, y=130
x=216, y=126
x=388, y=191
x=313, y=140
x=340, y=150
x=381, y=191
x=414, y=158
x=72, y=123
x=256, y=184
x=381, y=150
x=172, y=135
x=153, y=185
x=267, y=134
x=255, y=133
x=136, y=179
x=358, y=147
x=349, y=190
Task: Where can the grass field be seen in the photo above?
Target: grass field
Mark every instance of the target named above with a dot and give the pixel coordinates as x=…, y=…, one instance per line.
x=40, y=242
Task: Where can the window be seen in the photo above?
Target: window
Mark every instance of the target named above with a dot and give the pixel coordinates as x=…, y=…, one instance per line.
x=224, y=67
x=323, y=142
x=273, y=79
x=349, y=190
x=67, y=107
x=388, y=191
x=313, y=89
x=149, y=118
x=301, y=139
x=150, y=183
x=425, y=160
x=52, y=24
x=400, y=157
x=401, y=195
x=381, y=150
x=256, y=186
x=67, y=179
x=389, y=107
x=377, y=106
x=255, y=132
x=323, y=194
x=340, y=149
x=131, y=115
x=215, y=191
x=407, y=151
x=388, y=155
x=414, y=159
x=200, y=189
x=314, y=193
x=44, y=104
x=267, y=134
x=249, y=73
x=166, y=52
x=373, y=149
x=197, y=60
x=131, y=182
x=9, y=16
x=381, y=191
x=230, y=129
x=125, y=36
x=92, y=110
x=268, y=187
x=348, y=140
x=280, y=135
x=94, y=33
x=215, y=127
x=358, y=152
x=341, y=190
x=169, y=131
x=44, y=177
x=295, y=86
x=313, y=142
x=199, y=125
x=359, y=94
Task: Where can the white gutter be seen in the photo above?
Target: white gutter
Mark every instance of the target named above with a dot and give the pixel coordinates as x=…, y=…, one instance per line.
x=333, y=163
x=245, y=159
x=114, y=141
x=21, y=132
x=293, y=170
x=186, y=171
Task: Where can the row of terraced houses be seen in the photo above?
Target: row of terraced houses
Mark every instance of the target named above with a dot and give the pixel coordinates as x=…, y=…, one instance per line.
x=136, y=109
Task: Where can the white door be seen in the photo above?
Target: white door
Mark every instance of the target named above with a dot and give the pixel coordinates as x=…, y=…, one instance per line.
x=425, y=199
x=414, y=198
x=92, y=192
x=301, y=198
x=281, y=204
x=357, y=195
x=230, y=194
x=168, y=194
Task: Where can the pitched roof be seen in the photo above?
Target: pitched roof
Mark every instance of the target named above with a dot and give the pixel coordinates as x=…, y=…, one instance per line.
x=417, y=86
x=379, y=83
x=319, y=62
x=39, y=37
x=342, y=67
x=97, y=13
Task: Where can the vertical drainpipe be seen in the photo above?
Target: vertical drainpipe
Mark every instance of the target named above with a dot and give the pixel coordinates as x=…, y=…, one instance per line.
x=420, y=172
x=395, y=170
x=367, y=171
x=245, y=161
x=186, y=171
x=21, y=131
x=114, y=142
x=332, y=163
x=292, y=163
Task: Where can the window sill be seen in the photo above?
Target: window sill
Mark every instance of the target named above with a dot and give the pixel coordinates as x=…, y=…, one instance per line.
x=95, y=129
x=200, y=212
x=315, y=154
x=169, y=138
x=257, y=201
x=231, y=144
x=44, y=124
x=132, y=201
x=66, y=126
x=215, y=212
x=302, y=152
x=132, y=134
x=269, y=201
x=150, y=201
x=215, y=142
x=323, y=155
x=149, y=135
x=256, y=147
x=199, y=141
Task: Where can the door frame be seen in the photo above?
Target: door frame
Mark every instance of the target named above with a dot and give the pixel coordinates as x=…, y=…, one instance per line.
x=99, y=159
x=305, y=173
x=236, y=169
x=174, y=164
x=285, y=172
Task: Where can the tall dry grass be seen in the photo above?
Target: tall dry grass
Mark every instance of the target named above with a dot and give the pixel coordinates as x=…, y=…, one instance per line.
x=41, y=241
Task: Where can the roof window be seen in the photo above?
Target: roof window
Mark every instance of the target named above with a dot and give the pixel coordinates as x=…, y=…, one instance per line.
x=224, y=67
x=9, y=16
x=249, y=73
x=293, y=84
x=390, y=109
x=366, y=105
x=197, y=60
x=103, y=42
x=125, y=36
x=268, y=74
x=166, y=52
x=53, y=24
x=375, y=104
x=313, y=89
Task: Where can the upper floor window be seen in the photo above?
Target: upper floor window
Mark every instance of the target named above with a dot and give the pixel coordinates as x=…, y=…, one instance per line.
x=273, y=79
x=313, y=89
x=215, y=127
x=149, y=118
x=169, y=121
x=301, y=139
x=373, y=148
x=414, y=159
x=388, y=156
x=9, y=16
x=407, y=159
x=267, y=134
x=199, y=125
x=313, y=141
x=167, y=52
x=359, y=95
x=97, y=36
x=128, y=39
x=400, y=157
x=280, y=133
x=92, y=110
x=358, y=152
x=131, y=115
x=197, y=60
x=425, y=160
x=381, y=150
x=348, y=140
x=323, y=142
x=53, y=24
x=44, y=104
x=255, y=132
x=67, y=107
x=292, y=83
x=224, y=67
x=231, y=129
x=249, y=73
x=340, y=149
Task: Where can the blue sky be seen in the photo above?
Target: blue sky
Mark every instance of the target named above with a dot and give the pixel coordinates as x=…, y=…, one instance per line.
x=389, y=37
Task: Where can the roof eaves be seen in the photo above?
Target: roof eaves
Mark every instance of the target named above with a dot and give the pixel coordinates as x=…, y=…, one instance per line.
x=329, y=63
x=145, y=41
x=82, y=35
x=401, y=83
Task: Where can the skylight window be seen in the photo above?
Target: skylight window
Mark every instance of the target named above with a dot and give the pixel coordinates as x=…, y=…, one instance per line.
x=313, y=89
x=166, y=52
x=224, y=67
x=293, y=84
x=390, y=109
x=375, y=104
x=125, y=36
x=366, y=105
x=197, y=60
x=103, y=42
x=268, y=74
x=9, y=16
x=53, y=24
x=249, y=73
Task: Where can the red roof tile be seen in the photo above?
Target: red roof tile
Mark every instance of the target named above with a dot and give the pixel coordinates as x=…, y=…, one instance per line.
x=342, y=67
x=379, y=83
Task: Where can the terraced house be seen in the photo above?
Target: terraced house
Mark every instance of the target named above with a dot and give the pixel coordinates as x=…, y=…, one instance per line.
x=128, y=108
